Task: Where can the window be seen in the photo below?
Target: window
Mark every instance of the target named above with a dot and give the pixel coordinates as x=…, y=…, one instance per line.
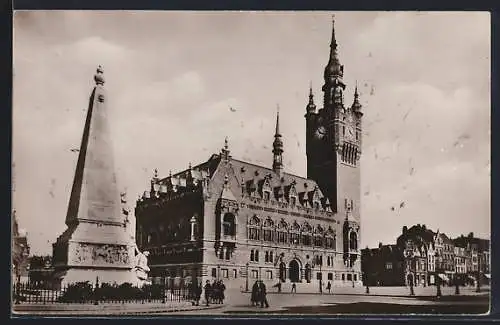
x=229, y=225
x=294, y=238
x=319, y=276
x=269, y=275
x=330, y=242
x=252, y=256
x=343, y=277
x=266, y=257
x=349, y=277
x=256, y=256
x=293, y=201
x=316, y=205
x=355, y=277
x=318, y=241
x=330, y=276
x=271, y=257
x=225, y=273
x=267, y=195
x=228, y=254
x=306, y=239
x=254, y=228
x=235, y=273
x=388, y=266
x=214, y=272
x=255, y=274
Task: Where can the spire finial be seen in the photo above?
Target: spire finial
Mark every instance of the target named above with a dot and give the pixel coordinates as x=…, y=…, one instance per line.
x=356, y=90
x=277, y=133
x=155, y=173
x=226, y=143
x=99, y=77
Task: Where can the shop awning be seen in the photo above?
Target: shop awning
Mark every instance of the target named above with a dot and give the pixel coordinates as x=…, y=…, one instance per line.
x=443, y=277
x=471, y=277
x=487, y=275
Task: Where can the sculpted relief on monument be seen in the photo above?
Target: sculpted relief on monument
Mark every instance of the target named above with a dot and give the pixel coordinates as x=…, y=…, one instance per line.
x=100, y=255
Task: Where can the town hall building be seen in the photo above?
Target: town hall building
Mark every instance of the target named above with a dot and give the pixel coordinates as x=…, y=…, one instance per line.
x=236, y=221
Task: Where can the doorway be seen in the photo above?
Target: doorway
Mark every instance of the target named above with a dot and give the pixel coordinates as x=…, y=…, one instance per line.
x=294, y=271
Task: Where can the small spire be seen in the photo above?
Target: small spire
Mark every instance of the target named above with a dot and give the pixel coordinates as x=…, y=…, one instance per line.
x=99, y=77
x=170, y=173
x=155, y=174
x=277, y=134
x=311, y=107
x=356, y=105
x=189, y=167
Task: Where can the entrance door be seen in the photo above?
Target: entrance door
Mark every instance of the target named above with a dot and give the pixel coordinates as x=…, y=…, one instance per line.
x=294, y=271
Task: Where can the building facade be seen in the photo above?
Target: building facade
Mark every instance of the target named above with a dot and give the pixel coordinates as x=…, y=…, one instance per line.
x=232, y=220
x=383, y=266
x=20, y=252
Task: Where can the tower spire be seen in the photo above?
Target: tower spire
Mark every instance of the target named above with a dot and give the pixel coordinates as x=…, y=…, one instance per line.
x=278, y=146
x=356, y=105
x=333, y=75
x=311, y=107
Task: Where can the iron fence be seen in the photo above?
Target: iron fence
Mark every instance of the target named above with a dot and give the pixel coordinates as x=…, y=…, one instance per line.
x=87, y=293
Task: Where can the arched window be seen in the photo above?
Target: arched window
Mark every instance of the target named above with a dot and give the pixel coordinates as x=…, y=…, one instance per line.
x=271, y=257
x=282, y=232
x=229, y=225
x=318, y=236
x=254, y=228
x=256, y=256
x=330, y=239
x=295, y=234
x=353, y=241
x=252, y=255
x=268, y=230
x=306, y=234
x=266, y=257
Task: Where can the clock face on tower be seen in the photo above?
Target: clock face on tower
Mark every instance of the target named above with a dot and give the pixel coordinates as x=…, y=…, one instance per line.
x=350, y=132
x=320, y=132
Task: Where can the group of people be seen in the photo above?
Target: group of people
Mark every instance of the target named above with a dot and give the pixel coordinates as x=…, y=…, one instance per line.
x=214, y=293
x=259, y=294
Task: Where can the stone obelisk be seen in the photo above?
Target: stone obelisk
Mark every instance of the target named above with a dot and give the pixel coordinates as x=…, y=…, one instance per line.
x=97, y=241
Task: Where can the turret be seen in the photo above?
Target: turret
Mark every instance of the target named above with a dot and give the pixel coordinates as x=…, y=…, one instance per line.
x=278, y=147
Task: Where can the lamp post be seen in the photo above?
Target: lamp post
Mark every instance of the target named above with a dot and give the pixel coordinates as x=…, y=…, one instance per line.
x=457, y=289
x=438, y=279
x=246, y=280
x=478, y=285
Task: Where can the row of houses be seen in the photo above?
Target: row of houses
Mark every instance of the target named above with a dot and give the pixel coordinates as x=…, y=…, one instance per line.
x=422, y=257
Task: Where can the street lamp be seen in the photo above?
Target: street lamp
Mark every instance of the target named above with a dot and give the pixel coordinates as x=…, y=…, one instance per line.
x=246, y=282
x=478, y=287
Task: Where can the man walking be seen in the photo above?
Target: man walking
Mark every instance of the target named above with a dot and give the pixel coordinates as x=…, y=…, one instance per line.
x=208, y=291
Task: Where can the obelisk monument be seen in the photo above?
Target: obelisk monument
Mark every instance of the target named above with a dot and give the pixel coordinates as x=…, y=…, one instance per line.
x=97, y=241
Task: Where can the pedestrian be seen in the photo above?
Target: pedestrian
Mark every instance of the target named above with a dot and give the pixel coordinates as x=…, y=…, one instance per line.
x=263, y=295
x=222, y=290
x=208, y=291
x=321, y=286
x=294, y=287
x=255, y=289
x=199, y=289
x=329, y=286
x=193, y=288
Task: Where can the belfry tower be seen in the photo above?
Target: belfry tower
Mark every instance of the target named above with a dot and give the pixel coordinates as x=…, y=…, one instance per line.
x=334, y=149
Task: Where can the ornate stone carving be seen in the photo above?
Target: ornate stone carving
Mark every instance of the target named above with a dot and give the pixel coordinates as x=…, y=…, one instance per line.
x=100, y=255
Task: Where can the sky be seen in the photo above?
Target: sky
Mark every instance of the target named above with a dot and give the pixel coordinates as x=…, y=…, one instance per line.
x=172, y=77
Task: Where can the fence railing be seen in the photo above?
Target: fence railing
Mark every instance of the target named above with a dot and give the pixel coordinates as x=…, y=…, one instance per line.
x=87, y=293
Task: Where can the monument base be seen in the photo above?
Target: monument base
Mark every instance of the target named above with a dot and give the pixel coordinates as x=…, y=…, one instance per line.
x=92, y=275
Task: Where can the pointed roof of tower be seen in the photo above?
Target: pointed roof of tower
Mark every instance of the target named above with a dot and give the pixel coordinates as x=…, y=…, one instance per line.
x=277, y=133
x=333, y=68
x=356, y=105
x=311, y=107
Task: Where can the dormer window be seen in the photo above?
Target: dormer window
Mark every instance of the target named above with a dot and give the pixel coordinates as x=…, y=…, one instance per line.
x=293, y=201
x=267, y=195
